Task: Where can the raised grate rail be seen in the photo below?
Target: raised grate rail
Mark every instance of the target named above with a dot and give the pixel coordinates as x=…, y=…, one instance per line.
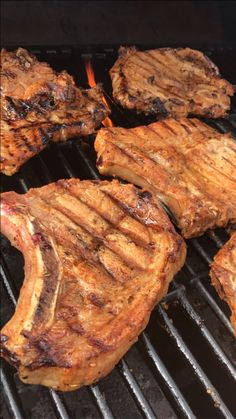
x=184, y=364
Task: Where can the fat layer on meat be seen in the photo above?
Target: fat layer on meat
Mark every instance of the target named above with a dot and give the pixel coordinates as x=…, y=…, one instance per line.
x=39, y=106
x=170, y=81
x=98, y=257
x=223, y=275
x=187, y=164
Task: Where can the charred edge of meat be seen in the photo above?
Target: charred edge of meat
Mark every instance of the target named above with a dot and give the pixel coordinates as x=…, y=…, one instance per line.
x=8, y=355
x=211, y=69
x=98, y=343
x=18, y=109
x=145, y=195
x=158, y=106
x=48, y=355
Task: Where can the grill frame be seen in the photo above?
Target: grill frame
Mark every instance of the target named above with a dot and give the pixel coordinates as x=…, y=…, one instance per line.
x=190, y=277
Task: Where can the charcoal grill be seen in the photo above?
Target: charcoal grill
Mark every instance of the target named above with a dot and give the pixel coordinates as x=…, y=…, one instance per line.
x=184, y=363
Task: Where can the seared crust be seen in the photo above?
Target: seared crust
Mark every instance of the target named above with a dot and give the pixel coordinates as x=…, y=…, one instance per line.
x=223, y=275
x=98, y=257
x=168, y=81
x=187, y=164
x=39, y=106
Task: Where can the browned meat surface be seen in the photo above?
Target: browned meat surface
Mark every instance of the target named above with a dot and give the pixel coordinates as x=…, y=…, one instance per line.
x=223, y=275
x=39, y=106
x=167, y=81
x=98, y=257
x=188, y=165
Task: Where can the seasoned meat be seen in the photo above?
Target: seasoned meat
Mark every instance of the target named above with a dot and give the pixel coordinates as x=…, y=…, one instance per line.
x=187, y=164
x=98, y=257
x=223, y=275
x=167, y=81
x=39, y=106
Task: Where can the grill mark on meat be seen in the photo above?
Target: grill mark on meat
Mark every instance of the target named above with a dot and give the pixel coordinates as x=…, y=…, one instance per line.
x=185, y=127
x=47, y=357
x=134, y=213
x=86, y=252
x=95, y=300
x=167, y=126
x=150, y=128
x=168, y=76
x=127, y=150
x=210, y=162
x=77, y=328
x=229, y=161
x=146, y=71
x=106, y=242
x=108, y=219
x=99, y=343
x=45, y=136
x=29, y=146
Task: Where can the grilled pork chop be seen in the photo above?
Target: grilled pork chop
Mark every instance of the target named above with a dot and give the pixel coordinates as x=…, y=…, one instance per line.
x=223, y=275
x=167, y=81
x=190, y=166
x=39, y=106
x=98, y=257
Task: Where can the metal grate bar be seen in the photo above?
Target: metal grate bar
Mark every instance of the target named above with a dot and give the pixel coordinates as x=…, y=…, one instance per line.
x=207, y=335
x=65, y=163
x=172, y=388
x=47, y=174
x=133, y=385
x=58, y=404
x=213, y=236
x=90, y=167
x=101, y=402
x=8, y=287
x=210, y=389
x=22, y=184
x=11, y=396
x=214, y=306
x=195, y=281
x=201, y=251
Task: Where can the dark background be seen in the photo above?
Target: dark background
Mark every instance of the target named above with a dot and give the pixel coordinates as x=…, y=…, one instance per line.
x=118, y=22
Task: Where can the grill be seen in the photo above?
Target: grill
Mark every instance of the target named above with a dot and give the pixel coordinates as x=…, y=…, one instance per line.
x=184, y=363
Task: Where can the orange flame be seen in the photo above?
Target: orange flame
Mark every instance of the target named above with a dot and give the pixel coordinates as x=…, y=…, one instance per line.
x=107, y=122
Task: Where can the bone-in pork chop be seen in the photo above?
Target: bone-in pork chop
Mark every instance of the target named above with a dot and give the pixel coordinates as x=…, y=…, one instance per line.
x=189, y=165
x=98, y=257
x=39, y=106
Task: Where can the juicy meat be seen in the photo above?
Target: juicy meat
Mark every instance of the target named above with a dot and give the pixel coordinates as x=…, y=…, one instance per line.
x=223, y=275
x=39, y=106
x=98, y=257
x=167, y=81
x=189, y=165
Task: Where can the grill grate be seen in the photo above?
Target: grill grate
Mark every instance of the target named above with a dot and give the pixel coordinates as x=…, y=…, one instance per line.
x=184, y=363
